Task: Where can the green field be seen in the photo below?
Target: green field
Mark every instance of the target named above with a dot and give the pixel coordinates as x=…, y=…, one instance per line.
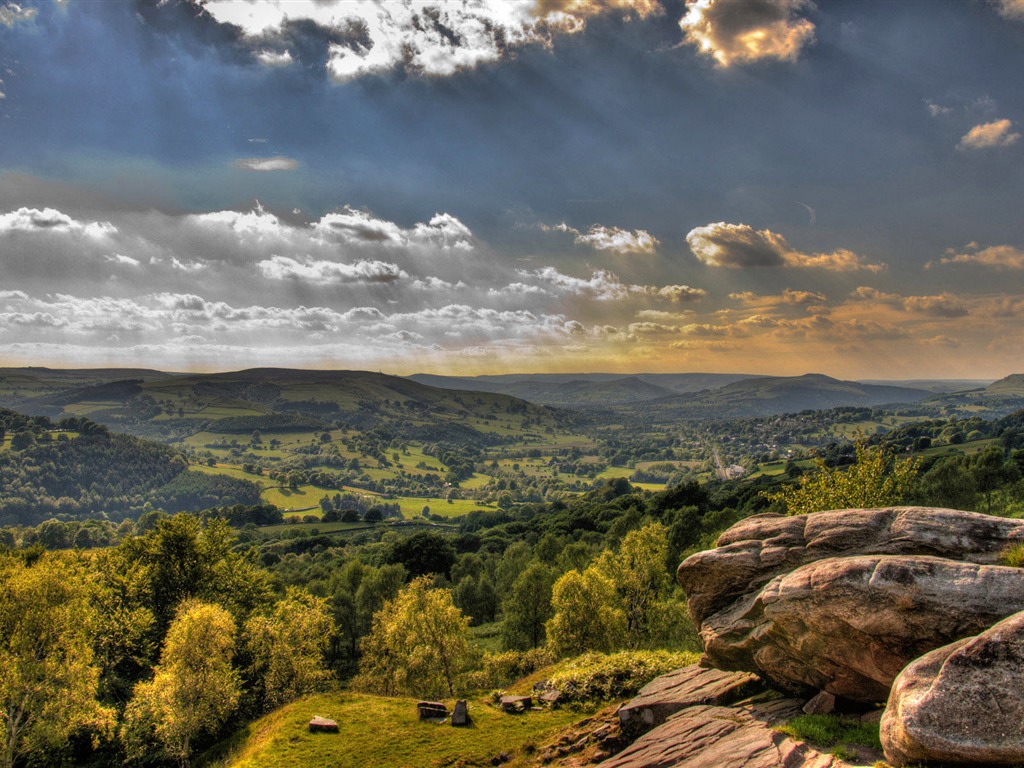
x=381, y=731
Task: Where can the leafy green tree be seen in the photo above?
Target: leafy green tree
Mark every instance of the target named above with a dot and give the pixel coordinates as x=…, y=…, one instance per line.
x=587, y=614
x=877, y=479
x=640, y=573
x=527, y=607
x=990, y=471
x=194, y=687
x=419, y=644
x=949, y=483
x=423, y=553
x=287, y=647
x=49, y=674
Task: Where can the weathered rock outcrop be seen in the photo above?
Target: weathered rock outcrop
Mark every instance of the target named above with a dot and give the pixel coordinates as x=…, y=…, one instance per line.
x=758, y=549
x=961, y=704
x=841, y=601
x=676, y=691
x=849, y=625
x=740, y=736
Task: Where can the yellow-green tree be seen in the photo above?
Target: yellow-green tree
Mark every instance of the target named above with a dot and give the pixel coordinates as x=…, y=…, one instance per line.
x=877, y=479
x=194, y=687
x=287, y=647
x=48, y=673
x=419, y=644
x=640, y=573
x=588, y=615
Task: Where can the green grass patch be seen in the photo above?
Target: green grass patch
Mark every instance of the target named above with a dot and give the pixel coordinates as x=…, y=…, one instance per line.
x=1012, y=556
x=412, y=506
x=832, y=732
x=377, y=731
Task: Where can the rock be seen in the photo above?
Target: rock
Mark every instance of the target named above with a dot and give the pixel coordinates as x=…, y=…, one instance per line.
x=873, y=716
x=668, y=694
x=822, y=703
x=322, y=725
x=963, y=703
x=432, y=710
x=758, y=549
x=848, y=625
x=460, y=715
x=550, y=697
x=723, y=737
x=515, y=704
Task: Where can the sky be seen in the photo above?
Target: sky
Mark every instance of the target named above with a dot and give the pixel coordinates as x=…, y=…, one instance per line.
x=468, y=187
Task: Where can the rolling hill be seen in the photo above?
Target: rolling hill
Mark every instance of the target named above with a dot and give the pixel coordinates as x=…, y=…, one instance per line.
x=772, y=395
x=584, y=390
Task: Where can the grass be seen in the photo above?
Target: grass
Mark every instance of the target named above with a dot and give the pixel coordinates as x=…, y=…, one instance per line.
x=833, y=733
x=1012, y=556
x=382, y=731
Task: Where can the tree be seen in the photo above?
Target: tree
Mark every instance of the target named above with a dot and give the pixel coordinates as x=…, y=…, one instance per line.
x=194, y=687
x=587, y=614
x=527, y=607
x=423, y=553
x=287, y=647
x=640, y=573
x=876, y=479
x=48, y=674
x=419, y=644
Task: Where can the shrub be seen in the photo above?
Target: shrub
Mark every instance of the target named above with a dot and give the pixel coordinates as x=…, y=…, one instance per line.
x=1012, y=556
x=503, y=669
x=602, y=676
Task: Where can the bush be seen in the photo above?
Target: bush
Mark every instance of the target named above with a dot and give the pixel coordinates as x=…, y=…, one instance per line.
x=1012, y=556
x=833, y=732
x=503, y=669
x=602, y=676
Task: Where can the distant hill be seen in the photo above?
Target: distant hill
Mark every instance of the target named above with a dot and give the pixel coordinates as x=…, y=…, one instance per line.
x=999, y=398
x=772, y=395
x=149, y=404
x=584, y=390
x=940, y=386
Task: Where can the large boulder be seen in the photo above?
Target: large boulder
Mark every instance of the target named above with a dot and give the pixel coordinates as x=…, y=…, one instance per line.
x=849, y=625
x=961, y=704
x=758, y=549
x=686, y=687
x=724, y=737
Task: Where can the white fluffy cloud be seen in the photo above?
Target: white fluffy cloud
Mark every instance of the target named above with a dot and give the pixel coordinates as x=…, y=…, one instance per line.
x=328, y=272
x=999, y=257
x=349, y=225
x=998, y=133
x=611, y=239
x=13, y=13
x=374, y=36
x=742, y=31
x=741, y=246
x=34, y=220
x=1011, y=9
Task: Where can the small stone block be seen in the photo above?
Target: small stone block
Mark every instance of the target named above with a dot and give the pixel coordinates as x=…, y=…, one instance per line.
x=322, y=725
x=513, y=704
x=460, y=715
x=823, y=703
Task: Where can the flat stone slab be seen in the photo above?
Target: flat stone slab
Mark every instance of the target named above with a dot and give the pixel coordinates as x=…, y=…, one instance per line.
x=432, y=710
x=724, y=737
x=322, y=725
x=687, y=687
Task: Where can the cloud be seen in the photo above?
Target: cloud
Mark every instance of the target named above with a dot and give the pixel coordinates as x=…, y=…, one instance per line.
x=999, y=257
x=277, y=163
x=350, y=225
x=944, y=305
x=439, y=39
x=998, y=133
x=613, y=239
x=617, y=240
x=119, y=258
x=743, y=31
x=274, y=58
x=1011, y=9
x=12, y=13
x=938, y=110
x=52, y=220
x=680, y=293
x=740, y=246
x=257, y=223
x=323, y=272
x=602, y=285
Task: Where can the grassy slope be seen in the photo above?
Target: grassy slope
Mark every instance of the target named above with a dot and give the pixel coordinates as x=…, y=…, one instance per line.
x=381, y=731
